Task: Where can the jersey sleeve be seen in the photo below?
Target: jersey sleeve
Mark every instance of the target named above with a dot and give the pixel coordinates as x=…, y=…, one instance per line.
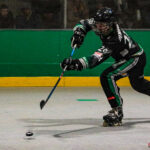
x=85, y=25
x=95, y=59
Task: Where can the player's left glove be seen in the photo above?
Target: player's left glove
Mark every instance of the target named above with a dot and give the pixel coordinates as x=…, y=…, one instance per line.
x=78, y=37
x=72, y=64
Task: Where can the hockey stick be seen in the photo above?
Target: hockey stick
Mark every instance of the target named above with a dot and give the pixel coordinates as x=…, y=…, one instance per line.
x=43, y=102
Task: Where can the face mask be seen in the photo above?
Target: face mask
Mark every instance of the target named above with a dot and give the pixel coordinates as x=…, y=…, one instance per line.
x=103, y=27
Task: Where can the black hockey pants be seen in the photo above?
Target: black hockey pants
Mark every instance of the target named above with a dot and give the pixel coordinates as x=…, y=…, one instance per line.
x=134, y=69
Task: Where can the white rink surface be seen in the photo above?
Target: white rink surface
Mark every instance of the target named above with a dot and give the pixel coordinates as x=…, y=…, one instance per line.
x=68, y=124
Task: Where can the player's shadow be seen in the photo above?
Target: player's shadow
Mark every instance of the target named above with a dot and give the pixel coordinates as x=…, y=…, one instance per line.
x=65, y=128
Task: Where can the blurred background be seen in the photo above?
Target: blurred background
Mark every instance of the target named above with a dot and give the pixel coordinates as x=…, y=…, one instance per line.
x=64, y=14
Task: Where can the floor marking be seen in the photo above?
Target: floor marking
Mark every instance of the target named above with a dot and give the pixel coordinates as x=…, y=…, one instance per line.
x=87, y=100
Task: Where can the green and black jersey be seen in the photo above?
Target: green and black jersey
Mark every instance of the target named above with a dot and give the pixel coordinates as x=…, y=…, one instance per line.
x=116, y=44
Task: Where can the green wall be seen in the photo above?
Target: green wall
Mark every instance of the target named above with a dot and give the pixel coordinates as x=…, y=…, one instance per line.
x=39, y=52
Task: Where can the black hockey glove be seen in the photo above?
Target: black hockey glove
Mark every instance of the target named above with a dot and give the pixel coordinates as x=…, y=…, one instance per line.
x=72, y=64
x=78, y=37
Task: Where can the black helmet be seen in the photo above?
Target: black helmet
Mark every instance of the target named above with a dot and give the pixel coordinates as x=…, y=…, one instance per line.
x=104, y=15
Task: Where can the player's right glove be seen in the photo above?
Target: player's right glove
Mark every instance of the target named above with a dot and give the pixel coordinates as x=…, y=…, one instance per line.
x=78, y=37
x=72, y=64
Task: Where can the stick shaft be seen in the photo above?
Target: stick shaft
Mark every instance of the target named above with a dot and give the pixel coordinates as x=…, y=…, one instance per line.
x=59, y=78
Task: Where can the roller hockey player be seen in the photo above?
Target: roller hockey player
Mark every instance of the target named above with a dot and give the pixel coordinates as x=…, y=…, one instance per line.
x=129, y=59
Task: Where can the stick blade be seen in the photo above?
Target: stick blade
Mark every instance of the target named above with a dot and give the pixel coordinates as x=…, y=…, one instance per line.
x=42, y=103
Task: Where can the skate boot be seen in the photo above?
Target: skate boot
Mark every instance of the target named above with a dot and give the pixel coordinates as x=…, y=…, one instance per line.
x=113, y=118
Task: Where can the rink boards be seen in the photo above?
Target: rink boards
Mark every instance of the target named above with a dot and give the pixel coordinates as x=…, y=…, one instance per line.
x=32, y=57
x=51, y=81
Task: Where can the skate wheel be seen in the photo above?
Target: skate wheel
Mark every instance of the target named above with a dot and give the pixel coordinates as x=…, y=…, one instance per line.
x=105, y=124
x=118, y=124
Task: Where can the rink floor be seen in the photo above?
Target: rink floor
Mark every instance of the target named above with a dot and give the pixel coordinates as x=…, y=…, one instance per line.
x=68, y=124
